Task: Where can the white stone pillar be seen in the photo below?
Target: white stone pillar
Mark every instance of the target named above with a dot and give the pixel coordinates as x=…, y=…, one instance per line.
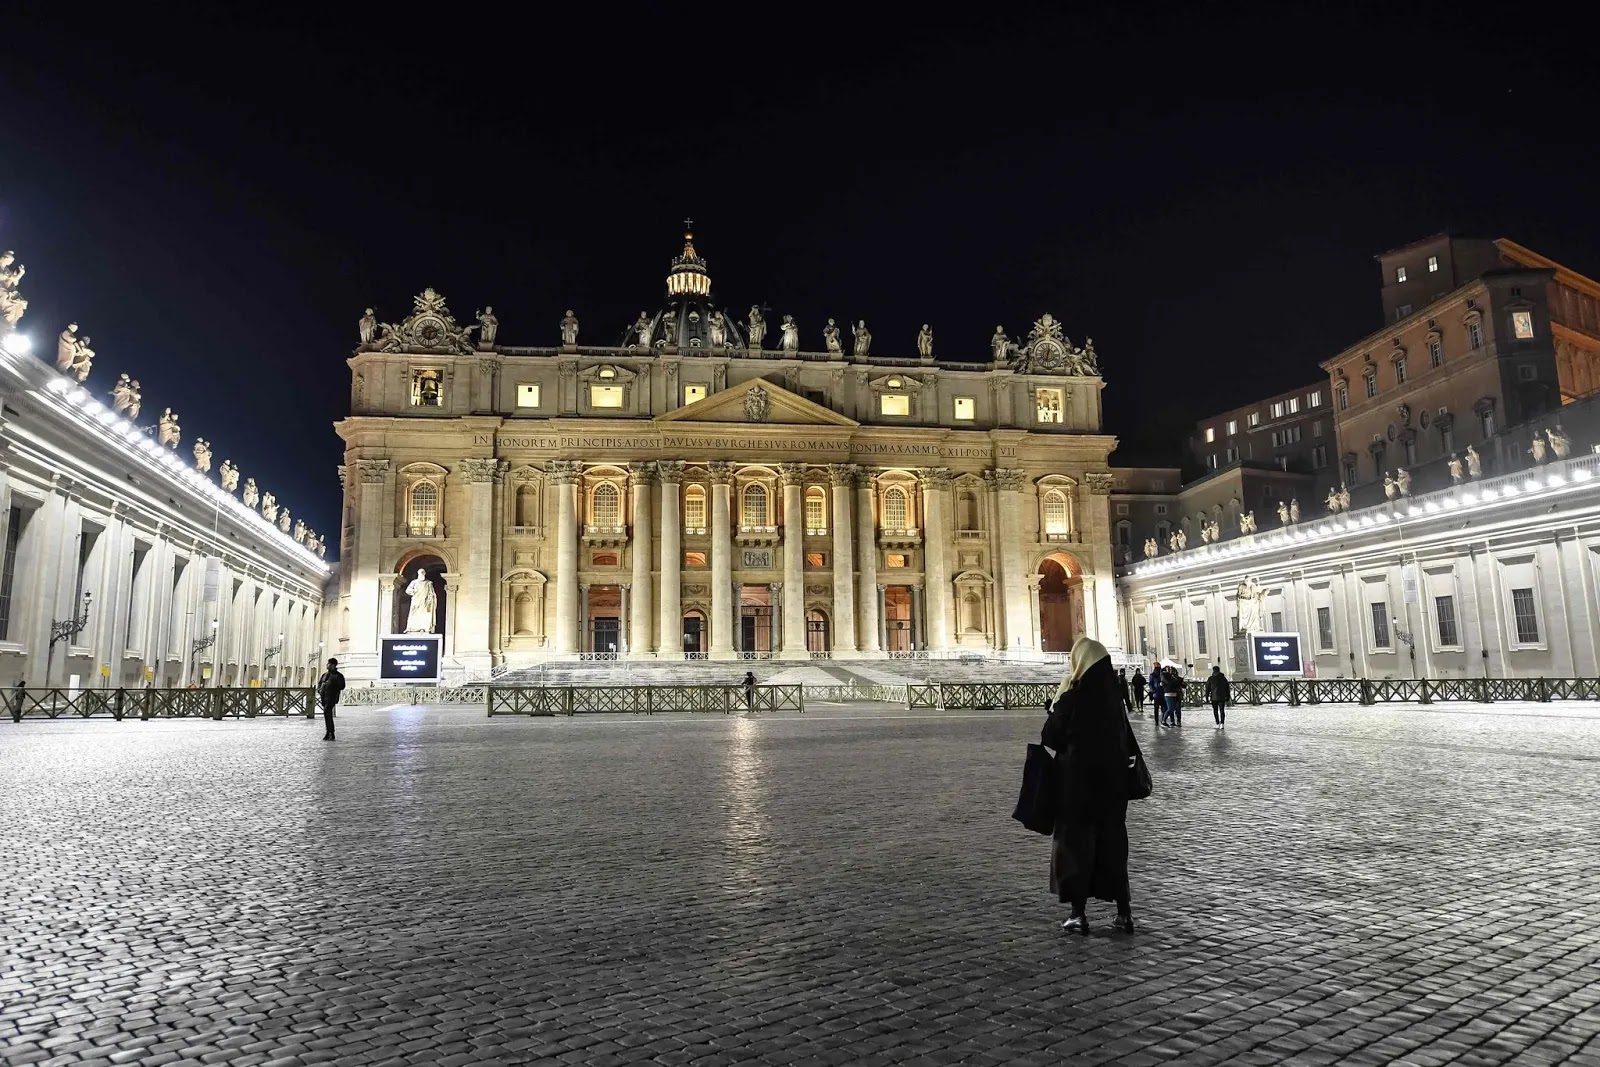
x=1017, y=592
x=477, y=583
x=843, y=476
x=791, y=477
x=721, y=560
x=936, y=556
x=669, y=639
x=376, y=504
x=882, y=612
x=564, y=476
x=625, y=622
x=640, y=475
x=867, y=566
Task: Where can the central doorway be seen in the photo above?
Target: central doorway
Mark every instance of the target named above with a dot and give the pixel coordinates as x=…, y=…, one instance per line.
x=607, y=635
x=694, y=634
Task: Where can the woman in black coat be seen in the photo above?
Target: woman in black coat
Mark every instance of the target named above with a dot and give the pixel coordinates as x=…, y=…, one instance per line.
x=1089, y=732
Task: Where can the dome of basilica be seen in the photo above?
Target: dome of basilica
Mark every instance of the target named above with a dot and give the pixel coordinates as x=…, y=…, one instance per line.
x=689, y=320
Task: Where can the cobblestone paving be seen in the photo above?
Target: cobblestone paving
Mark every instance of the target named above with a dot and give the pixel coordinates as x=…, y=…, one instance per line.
x=1317, y=886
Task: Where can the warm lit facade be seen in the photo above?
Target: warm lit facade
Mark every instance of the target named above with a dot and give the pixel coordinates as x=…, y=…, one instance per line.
x=687, y=491
x=1292, y=431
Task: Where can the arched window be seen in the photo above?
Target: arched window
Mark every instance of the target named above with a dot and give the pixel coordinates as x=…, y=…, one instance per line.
x=527, y=506
x=754, y=510
x=607, y=506
x=816, y=510
x=894, y=508
x=1055, y=513
x=694, y=508
x=423, y=512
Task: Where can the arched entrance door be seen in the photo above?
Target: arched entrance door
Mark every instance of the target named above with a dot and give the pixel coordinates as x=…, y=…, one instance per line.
x=1060, y=604
x=434, y=568
x=694, y=633
x=817, y=639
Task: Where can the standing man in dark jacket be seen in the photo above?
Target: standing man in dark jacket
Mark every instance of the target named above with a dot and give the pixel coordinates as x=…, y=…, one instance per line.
x=1172, y=692
x=329, y=686
x=1218, y=691
x=1136, y=690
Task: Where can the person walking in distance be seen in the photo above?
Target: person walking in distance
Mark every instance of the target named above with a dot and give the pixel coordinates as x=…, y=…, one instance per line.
x=1127, y=697
x=1155, y=694
x=749, y=684
x=1094, y=749
x=18, y=696
x=1218, y=691
x=1172, y=694
x=1136, y=690
x=329, y=686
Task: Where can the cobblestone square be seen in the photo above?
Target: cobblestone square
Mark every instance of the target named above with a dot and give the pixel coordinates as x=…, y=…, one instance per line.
x=1334, y=885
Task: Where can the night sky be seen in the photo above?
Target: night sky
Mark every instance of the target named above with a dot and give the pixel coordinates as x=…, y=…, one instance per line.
x=215, y=202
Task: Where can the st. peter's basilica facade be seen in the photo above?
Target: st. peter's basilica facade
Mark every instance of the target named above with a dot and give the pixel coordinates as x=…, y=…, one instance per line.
x=701, y=486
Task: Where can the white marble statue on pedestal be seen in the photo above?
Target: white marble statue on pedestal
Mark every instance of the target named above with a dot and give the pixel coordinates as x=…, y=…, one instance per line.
x=424, y=604
x=202, y=455
x=1560, y=443
x=758, y=327
x=1455, y=469
x=67, y=347
x=925, y=341
x=488, y=327
x=368, y=325
x=830, y=337
x=167, y=432
x=1474, y=463
x=569, y=328
x=789, y=341
x=863, y=345
x=1252, y=599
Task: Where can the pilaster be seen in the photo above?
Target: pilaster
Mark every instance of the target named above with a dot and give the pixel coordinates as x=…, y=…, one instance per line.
x=842, y=476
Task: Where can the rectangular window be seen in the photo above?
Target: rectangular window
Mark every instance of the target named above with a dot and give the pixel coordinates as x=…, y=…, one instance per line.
x=1200, y=637
x=1527, y=616
x=1527, y=372
x=1211, y=434
x=1487, y=420
x=1475, y=334
x=692, y=393
x=1399, y=274
x=1344, y=396
x=896, y=404
x=1433, y=264
x=1319, y=457
x=1049, y=401
x=1161, y=509
x=1276, y=622
x=1144, y=642
x=1324, y=629
x=1444, y=612
x=1232, y=455
x=694, y=510
x=1435, y=353
x=8, y=575
x=1254, y=420
x=1233, y=427
x=966, y=409
x=1172, y=640
x=1314, y=399
x=1274, y=438
x=816, y=507
x=527, y=395
x=1316, y=428
x=1372, y=385
x=1294, y=405
x=1522, y=325
x=1277, y=409
x=1400, y=371
x=605, y=396
x=1380, y=626
x=816, y=559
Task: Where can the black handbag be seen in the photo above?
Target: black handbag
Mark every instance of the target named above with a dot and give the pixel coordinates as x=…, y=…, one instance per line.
x=1036, y=804
x=1140, y=784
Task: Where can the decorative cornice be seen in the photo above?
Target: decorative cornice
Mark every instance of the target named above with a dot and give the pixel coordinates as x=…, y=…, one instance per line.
x=373, y=471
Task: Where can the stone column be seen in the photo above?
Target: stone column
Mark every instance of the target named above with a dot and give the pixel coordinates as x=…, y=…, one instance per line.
x=721, y=560
x=1031, y=637
x=936, y=556
x=883, y=616
x=640, y=475
x=584, y=644
x=843, y=476
x=1101, y=593
x=564, y=476
x=738, y=618
x=477, y=584
x=669, y=638
x=872, y=637
x=1019, y=607
x=775, y=615
x=918, y=641
x=792, y=476
x=376, y=505
x=624, y=638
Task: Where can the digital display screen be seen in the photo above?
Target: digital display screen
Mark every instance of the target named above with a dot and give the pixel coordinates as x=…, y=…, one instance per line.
x=1276, y=654
x=409, y=658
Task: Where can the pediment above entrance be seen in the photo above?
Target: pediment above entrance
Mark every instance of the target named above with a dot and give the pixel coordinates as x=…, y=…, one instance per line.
x=758, y=403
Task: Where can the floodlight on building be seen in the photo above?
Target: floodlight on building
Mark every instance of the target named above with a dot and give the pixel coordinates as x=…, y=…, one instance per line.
x=18, y=344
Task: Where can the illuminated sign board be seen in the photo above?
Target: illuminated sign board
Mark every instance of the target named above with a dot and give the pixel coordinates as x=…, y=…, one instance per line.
x=409, y=657
x=1276, y=655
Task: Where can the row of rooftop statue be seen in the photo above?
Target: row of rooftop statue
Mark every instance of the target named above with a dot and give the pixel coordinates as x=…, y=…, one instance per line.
x=1396, y=486
x=1047, y=349
x=75, y=359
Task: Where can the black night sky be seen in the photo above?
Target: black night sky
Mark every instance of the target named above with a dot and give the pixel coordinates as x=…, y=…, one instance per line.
x=215, y=201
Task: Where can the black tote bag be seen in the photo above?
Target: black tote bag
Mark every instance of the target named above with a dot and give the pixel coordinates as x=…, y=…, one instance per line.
x=1140, y=784
x=1036, y=804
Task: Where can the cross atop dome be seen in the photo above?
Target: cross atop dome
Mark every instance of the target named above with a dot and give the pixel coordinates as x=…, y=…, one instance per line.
x=688, y=275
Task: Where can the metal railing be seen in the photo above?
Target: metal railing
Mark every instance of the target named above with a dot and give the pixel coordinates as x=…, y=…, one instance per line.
x=642, y=699
x=382, y=696
x=158, y=703
x=1368, y=691
x=858, y=691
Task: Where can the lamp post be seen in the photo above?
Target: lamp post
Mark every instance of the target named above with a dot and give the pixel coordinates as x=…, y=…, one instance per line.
x=199, y=645
x=65, y=630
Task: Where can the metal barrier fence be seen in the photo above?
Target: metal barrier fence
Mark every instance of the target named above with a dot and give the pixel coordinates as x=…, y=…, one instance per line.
x=882, y=694
x=642, y=699
x=382, y=696
x=157, y=703
x=1297, y=691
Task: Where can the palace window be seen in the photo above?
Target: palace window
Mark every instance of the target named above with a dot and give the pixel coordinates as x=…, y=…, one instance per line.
x=1525, y=610
x=753, y=509
x=1444, y=612
x=1371, y=380
x=1319, y=457
x=527, y=395
x=966, y=409
x=1294, y=405
x=1435, y=353
x=1055, y=513
x=1233, y=427
x=1211, y=434
x=897, y=404
x=605, y=396
x=1277, y=409
x=1172, y=640
x=816, y=510
x=1253, y=420
x=694, y=509
x=894, y=508
x=1475, y=334
x=423, y=509
x=1199, y=637
x=1486, y=419
x=1522, y=325
x=692, y=393
x=1400, y=371
x=1316, y=427
x=8, y=575
x=1399, y=274
x=607, y=506
x=1433, y=264
x=1324, y=629
x=1050, y=406
x=1344, y=396
x=1380, y=626
x=1314, y=399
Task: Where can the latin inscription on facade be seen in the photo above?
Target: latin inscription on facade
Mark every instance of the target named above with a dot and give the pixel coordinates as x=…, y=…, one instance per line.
x=642, y=443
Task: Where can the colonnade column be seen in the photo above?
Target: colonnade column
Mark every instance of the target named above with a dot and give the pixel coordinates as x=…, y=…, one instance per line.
x=936, y=556
x=1020, y=609
x=867, y=564
x=564, y=475
x=881, y=610
x=791, y=476
x=842, y=476
x=375, y=502
x=640, y=475
x=721, y=560
x=472, y=637
x=669, y=635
